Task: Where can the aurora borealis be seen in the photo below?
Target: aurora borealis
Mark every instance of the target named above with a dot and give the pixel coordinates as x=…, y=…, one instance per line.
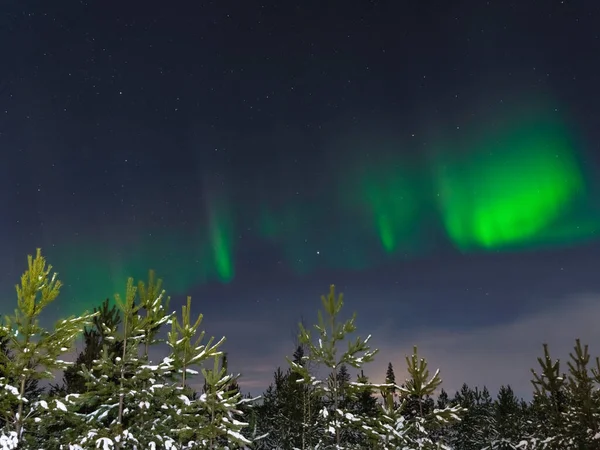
x=438, y=162
x=517, y=185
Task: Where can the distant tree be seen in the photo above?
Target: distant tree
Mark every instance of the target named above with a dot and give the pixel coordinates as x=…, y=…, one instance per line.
x=444, y=432
x=465, y=435
x=509, y=420
x=365, y=405
x=281, y=413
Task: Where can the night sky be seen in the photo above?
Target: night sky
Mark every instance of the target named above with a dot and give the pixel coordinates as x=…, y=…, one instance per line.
x=438, y=161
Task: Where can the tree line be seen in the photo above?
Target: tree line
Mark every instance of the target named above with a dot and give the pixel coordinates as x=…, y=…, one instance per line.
x=118, y=395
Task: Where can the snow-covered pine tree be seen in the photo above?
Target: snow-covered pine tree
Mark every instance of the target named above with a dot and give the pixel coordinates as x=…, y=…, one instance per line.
x=33, y=352
x=565, y=407
x=187, y=414
x=395, y=430
x=126, y=390
x=32, y=389
x=550, y=399
x=221, y=403
x=73, y=381
x=583, y=402
x=55, y=427
x=325, y=354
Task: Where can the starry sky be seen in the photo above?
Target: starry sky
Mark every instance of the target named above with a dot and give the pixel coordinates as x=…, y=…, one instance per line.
x=438, y=161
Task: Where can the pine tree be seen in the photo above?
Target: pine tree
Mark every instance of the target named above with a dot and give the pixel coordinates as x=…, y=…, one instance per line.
x=583, y=407
x=331, y=333
x=551, y=403
x=396, y=431
x=187, y=413
x=32, y=352
x=32, y=389
x=94, y=342
x=221, y=405
x=125, y=391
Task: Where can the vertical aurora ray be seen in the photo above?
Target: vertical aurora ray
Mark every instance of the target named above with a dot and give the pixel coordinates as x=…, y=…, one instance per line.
x=511, y=188
x=95, y=270
x=390, y=195
x=393, y=206
x=220, y=228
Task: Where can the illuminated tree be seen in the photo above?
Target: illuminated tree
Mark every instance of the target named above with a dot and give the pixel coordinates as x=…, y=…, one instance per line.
x=326, y=353
x=33, y=353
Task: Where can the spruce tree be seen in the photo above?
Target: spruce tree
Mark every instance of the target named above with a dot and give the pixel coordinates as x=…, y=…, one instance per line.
x=390, y=380
x=282, y=413
x=509, y=420
x=273, y=426
x=325, y=352
x=466, y=432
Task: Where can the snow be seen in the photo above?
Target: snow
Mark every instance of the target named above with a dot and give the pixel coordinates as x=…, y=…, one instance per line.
x=61, y=406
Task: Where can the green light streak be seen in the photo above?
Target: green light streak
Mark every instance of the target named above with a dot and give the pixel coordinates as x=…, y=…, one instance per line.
x=389, y=192
x=221, y=240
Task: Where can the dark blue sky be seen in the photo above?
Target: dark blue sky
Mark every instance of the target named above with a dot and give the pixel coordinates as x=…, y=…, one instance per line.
x=126, y=128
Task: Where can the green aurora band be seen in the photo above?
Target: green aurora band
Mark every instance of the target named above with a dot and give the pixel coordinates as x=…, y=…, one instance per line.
x=93, y=271
x=510, y=186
